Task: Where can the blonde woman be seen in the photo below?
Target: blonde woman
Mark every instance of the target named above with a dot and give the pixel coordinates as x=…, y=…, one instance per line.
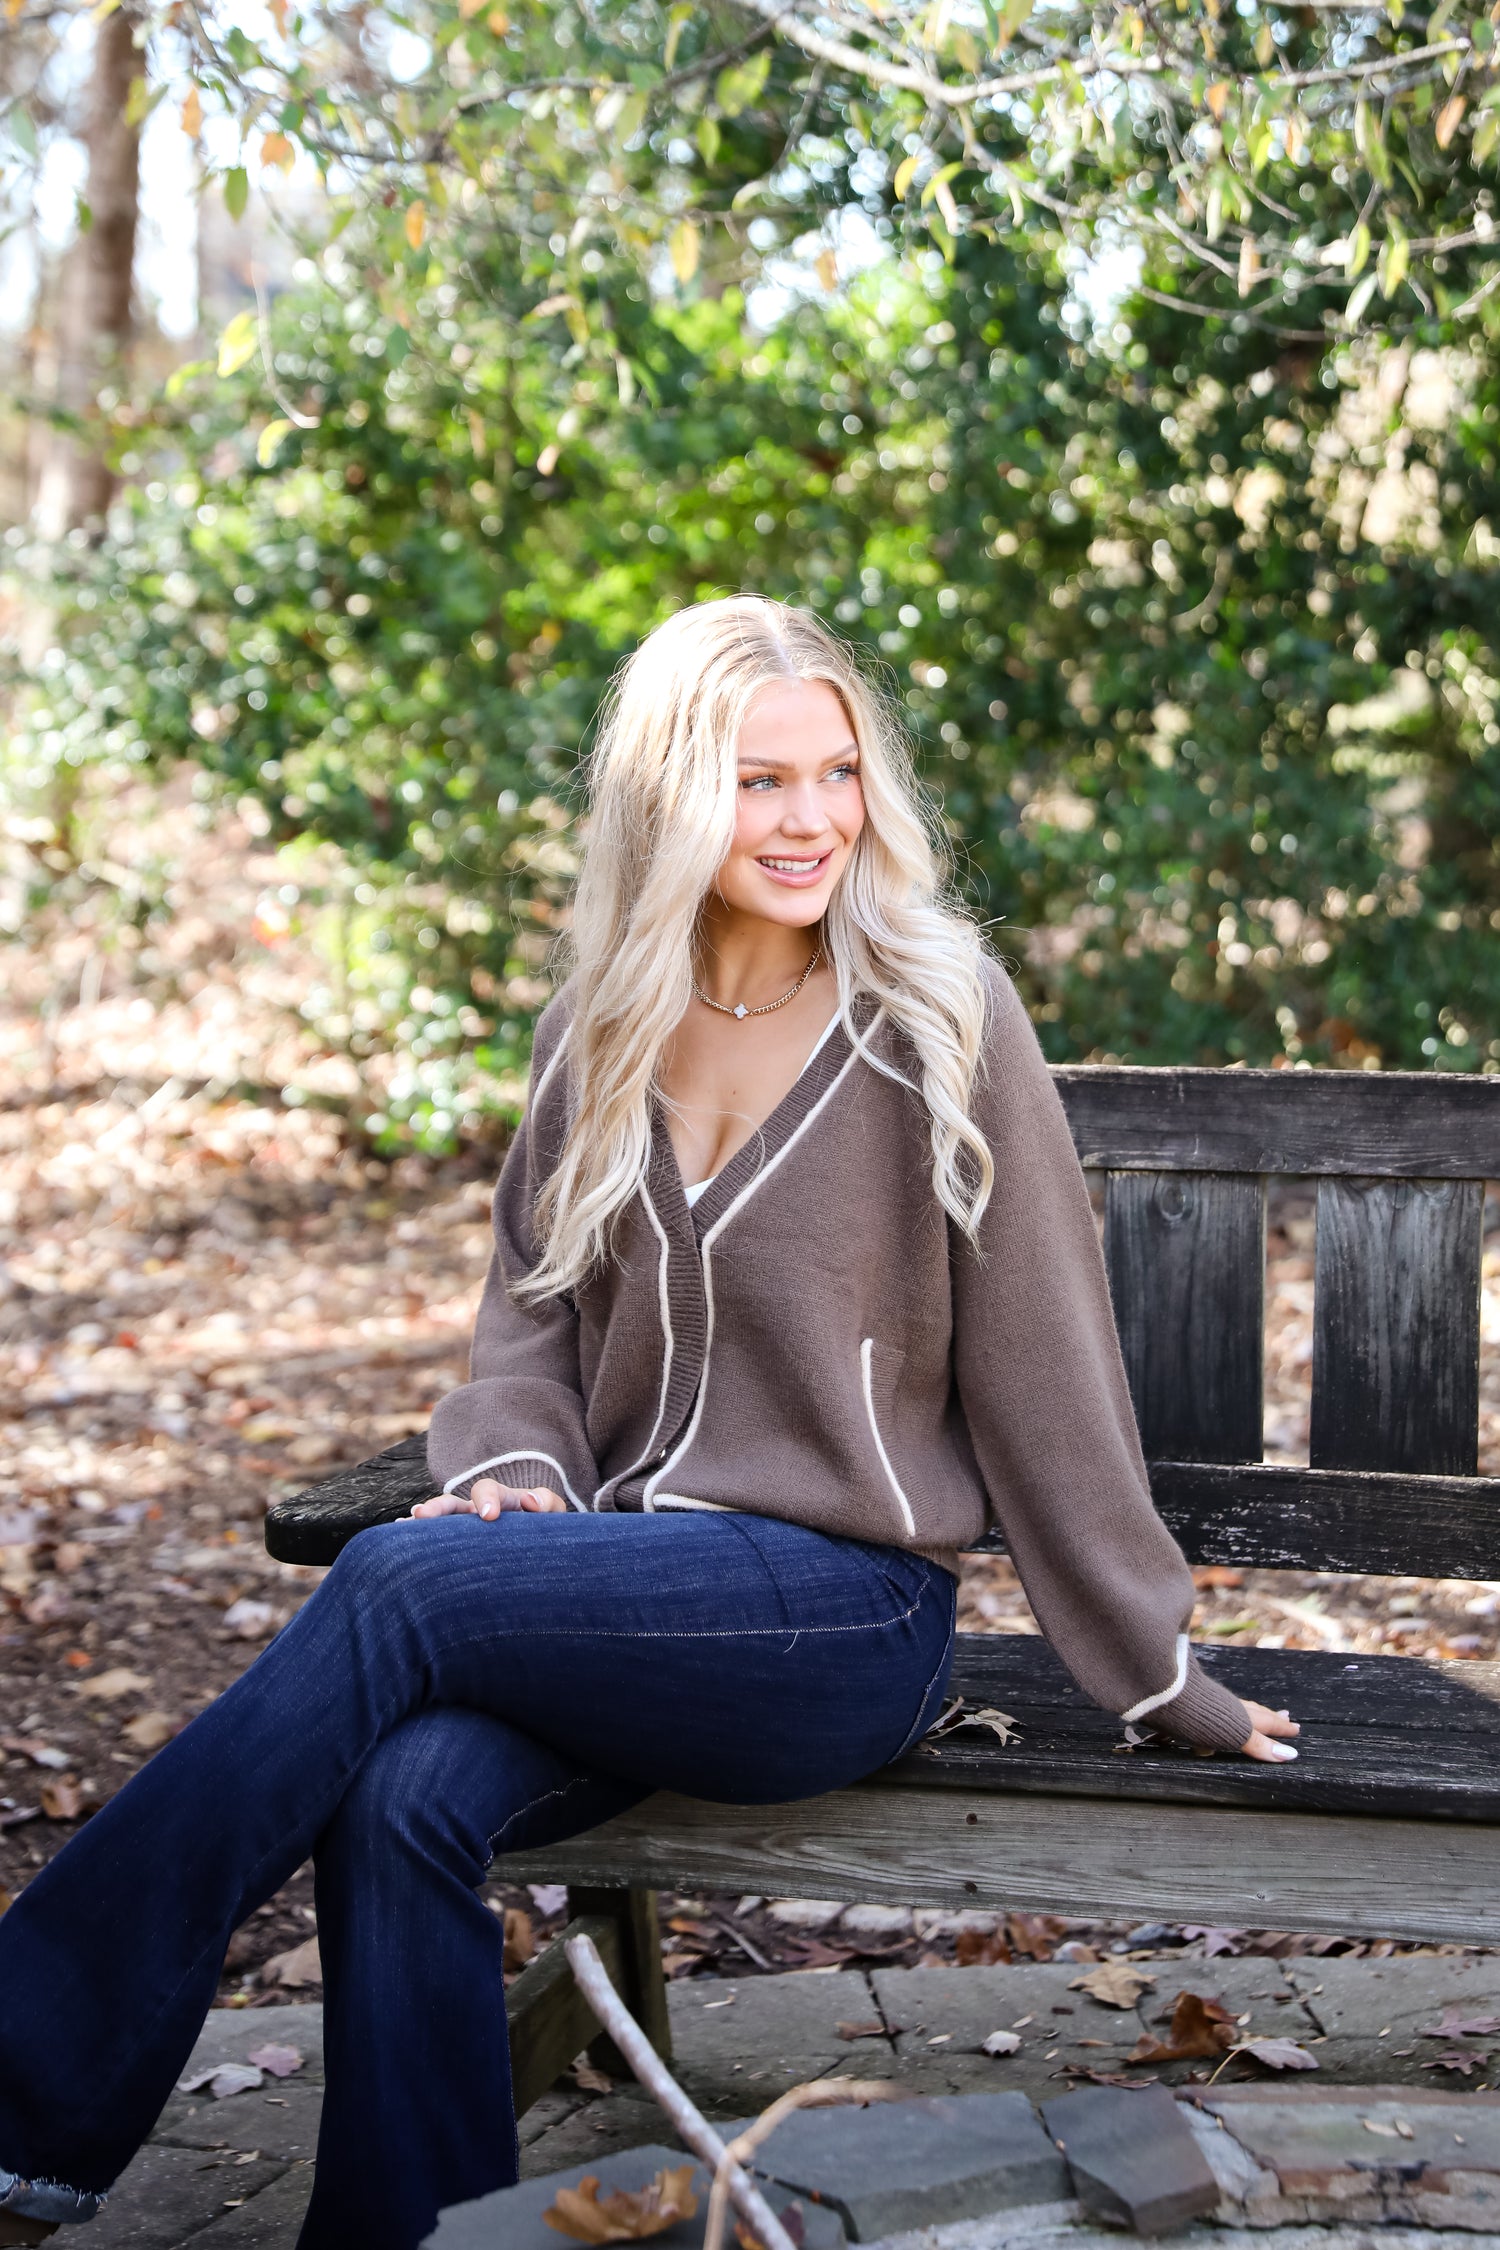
x=795, y=1288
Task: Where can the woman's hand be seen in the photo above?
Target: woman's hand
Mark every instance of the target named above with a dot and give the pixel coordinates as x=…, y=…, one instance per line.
x=1270, y=1727
x=490, y=1499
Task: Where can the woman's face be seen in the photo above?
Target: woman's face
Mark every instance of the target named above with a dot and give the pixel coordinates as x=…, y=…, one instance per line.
x=800, y=805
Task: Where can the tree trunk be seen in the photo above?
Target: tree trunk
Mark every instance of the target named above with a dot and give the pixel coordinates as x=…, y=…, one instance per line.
x=93, y=318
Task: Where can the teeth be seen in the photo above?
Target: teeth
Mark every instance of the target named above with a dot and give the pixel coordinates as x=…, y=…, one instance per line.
x=792, y=866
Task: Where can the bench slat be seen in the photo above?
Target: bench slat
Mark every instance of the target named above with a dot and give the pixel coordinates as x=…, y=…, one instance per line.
x=1391, y=1735
x=1242, y=1869
x=1186, y=1254
x=1396, y=1326
x=1255, y=1514
x=1408, y=1124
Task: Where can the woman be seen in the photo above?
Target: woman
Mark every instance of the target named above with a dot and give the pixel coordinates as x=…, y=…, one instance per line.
x=795, y=1286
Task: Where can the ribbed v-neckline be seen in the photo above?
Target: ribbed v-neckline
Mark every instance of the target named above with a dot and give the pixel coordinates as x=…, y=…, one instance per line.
x=668, y=1188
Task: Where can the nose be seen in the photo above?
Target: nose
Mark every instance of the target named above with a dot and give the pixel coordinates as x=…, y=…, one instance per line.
x=801, y=813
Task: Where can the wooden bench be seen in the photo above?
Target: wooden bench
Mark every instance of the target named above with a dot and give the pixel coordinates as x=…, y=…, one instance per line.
x=1389, y=1822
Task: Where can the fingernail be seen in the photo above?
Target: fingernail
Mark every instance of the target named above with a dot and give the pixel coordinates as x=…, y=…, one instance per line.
x=1282, y=1750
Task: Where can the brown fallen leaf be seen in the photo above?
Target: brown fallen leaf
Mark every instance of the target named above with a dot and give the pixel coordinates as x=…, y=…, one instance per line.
x=1118, y=1984
x=111, y=1685
x=1277, y=2054
x=1456, y=2060
x=1461, y=2027
x=279, y=2061
x=149, y=1731
x=40, y=1753
x=962, y=1714
x=626, y=2214
x=589, y=2080
x=981, y=1949
x=1397, y=2131
x=793, y=2227
x=1036, y=1935
x=62, y=1799
x=1201, y=2028
x=1000, y=2043
x=870, y=2028
x=520, y=1939
x=299, y=1965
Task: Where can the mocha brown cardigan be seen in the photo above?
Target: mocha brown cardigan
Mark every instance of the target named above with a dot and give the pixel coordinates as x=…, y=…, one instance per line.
x=815, y=1340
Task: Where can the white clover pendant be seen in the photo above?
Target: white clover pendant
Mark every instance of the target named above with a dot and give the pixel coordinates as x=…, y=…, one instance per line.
x=742, y=1010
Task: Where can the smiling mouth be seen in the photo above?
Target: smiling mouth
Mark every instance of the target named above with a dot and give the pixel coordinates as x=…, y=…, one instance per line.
x=790, y=869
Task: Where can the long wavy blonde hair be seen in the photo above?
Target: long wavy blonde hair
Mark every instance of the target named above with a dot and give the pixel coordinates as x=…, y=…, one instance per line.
x=663, y=783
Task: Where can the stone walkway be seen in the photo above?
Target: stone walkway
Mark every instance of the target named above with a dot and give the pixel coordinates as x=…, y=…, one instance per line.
x=235, y=2174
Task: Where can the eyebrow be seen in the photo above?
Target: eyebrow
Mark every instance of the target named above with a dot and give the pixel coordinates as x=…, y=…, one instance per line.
x=784, y=765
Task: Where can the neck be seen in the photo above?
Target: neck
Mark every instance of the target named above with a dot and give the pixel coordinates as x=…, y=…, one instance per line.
x=740, y=957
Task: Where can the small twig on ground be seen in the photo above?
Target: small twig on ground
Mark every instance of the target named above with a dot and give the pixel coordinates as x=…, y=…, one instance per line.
x=821, y=2093
x=593, y=1981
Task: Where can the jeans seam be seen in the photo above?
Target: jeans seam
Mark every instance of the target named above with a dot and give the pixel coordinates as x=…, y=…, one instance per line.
x=522, y=1810
x=943, y=1662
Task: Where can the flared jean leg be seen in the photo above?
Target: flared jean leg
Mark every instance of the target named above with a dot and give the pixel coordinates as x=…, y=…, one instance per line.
x=418, y=2106
x=728, y=1656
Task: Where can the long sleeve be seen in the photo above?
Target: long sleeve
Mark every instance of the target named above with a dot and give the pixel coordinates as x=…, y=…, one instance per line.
x=520, y=1416
x=1043, y=1390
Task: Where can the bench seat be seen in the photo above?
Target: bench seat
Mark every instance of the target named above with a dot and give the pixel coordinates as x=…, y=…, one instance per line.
x=1388, y=1822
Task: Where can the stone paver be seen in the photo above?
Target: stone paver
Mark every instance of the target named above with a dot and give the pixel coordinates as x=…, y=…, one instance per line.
x=929, y=2160
x=1379, y=2155
x=1134, y=2157
x=1374, y=2011
x=946, y=2014
x=739, y=2043
x=171, y=2194
x=513, y=2219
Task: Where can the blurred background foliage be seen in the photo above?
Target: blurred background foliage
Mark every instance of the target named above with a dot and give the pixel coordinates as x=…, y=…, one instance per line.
x=1189, y=603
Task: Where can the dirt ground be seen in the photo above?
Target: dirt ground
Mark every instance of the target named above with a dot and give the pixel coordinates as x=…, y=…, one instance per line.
x=209, y=1299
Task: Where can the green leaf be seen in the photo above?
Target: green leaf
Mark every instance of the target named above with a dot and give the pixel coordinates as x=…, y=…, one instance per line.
x=1485, y=135
x=1395, y=258
x=22, y=129
x=397, y=344
x=1358, y=251
x=677, y=23
x=180, y=377
x=236, y=191
x=939, y=180
x=269, y=439
x=906, y=172
x=238, y=344
x=742, y=83
x=709, y=138
x=1354, y=311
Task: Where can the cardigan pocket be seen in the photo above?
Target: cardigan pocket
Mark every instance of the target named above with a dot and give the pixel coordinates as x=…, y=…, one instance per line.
x=884, y=1371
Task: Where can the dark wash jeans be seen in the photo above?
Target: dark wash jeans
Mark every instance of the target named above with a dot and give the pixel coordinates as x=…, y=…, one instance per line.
x=454, y=1689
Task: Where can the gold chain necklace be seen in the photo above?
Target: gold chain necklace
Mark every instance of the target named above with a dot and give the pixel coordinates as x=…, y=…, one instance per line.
x=771, y=1005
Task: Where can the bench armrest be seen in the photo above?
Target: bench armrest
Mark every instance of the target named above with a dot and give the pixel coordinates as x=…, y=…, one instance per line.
x=314, y=1526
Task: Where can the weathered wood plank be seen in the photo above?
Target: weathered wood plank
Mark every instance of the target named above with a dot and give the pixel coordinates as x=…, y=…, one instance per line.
x=1390, y=1735
x=314, y=1526
x=1271, y=1517
x=548, y=2019
x=640, y=1981
x=1319, y=1123
x=1423, y=1694
x=1433, y=1880
x=1395, y=1376
x=1186, y=1254
x=1256, y=1513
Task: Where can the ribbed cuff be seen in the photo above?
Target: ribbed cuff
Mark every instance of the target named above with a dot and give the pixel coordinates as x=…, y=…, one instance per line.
x=1204, y=1713
x=522, y=1474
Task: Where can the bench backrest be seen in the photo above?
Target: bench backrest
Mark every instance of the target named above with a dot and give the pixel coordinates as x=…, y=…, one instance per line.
x=1400, y=1160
